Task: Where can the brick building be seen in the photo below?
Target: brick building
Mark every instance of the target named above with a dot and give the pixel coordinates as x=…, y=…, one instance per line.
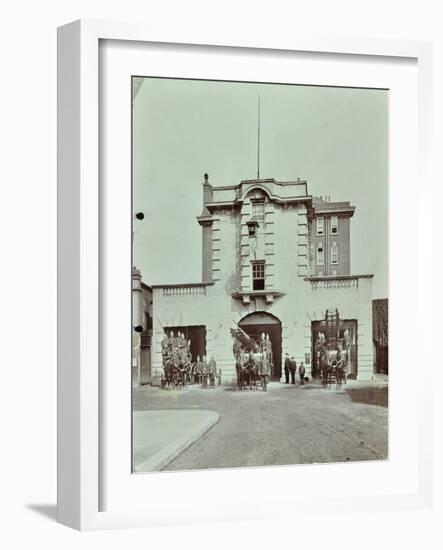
x=275, y=260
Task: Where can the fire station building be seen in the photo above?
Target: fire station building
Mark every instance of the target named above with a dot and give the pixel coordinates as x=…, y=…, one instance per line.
x=275, y=260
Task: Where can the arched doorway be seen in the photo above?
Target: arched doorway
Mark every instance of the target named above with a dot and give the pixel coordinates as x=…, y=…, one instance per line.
x=255, y=324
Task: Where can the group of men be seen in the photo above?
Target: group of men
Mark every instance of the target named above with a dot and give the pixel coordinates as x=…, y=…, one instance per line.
x=290, y=368
x=177, y=349
x=205, y=373
x=178, y=366
x=171, y=344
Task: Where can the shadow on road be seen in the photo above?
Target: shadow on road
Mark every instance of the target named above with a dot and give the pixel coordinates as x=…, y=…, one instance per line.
x=370, y=395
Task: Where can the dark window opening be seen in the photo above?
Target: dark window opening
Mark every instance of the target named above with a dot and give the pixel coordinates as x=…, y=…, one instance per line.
x=320, y=255
x=147, y=332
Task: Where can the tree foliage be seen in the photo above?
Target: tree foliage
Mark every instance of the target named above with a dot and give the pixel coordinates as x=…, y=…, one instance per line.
x=380, y=312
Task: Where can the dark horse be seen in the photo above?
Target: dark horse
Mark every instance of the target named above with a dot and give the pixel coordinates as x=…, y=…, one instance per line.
x=175, y=371
x=246, y=366
x=325, y=368
x=332, y=365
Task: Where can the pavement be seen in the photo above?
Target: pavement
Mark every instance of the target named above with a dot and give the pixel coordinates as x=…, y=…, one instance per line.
x=289, y=424
x=160, y=436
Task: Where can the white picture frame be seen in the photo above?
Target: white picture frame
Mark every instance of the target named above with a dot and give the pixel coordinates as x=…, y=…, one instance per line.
x=79, y=257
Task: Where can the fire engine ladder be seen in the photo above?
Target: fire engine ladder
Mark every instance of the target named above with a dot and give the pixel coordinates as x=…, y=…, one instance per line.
x=332, y=328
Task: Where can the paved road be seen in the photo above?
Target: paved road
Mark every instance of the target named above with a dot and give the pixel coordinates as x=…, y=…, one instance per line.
x=287, y=425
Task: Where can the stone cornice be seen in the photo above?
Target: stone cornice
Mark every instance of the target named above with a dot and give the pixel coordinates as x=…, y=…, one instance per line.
x=213, y=206
x=339, y=277
x=205, y=220
x=331, y=210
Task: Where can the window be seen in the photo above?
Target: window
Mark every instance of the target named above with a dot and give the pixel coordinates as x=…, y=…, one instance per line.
x=258, y=209
x=258, y=275
x=334, y=225
x=334, y=254
x=320, y=226
x=320, y=254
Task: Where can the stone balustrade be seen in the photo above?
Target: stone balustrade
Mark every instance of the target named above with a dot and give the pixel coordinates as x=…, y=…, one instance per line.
x=175, y=291
x=338, y=282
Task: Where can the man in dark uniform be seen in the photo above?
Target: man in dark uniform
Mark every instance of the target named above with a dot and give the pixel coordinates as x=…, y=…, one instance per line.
x=197, y=371
x=287, y=367
x=293, y=369
x=301, y=372
x=212, y=371
x=204, y=372
x=264, y=371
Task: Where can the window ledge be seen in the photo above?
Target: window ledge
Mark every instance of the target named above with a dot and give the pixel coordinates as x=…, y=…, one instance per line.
x=246, y=295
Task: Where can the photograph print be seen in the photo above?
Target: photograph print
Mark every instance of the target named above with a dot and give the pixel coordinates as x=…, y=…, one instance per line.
x=259, y=274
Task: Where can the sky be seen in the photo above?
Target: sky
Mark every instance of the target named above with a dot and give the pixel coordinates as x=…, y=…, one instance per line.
x=335, y=138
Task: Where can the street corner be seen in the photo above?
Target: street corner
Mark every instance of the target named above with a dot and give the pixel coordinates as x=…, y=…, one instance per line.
x=160, y=436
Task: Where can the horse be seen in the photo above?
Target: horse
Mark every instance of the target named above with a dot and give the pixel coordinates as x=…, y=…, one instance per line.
x=176, y=370
x=247, y=370
x=333, y=365
x=325, y=369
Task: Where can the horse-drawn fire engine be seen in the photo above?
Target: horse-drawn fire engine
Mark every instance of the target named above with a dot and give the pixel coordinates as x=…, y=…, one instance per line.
x=253, y=360
x=177, y=360
x=333, y=352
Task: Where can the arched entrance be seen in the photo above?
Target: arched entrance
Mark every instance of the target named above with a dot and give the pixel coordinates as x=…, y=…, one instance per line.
x=255, y=324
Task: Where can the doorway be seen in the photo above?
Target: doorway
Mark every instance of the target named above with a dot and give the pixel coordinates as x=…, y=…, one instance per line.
x=255, y=324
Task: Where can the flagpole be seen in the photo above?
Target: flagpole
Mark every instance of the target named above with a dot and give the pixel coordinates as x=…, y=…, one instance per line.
x=258, y=141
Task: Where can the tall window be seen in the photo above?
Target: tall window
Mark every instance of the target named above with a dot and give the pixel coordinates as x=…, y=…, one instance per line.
x=334, y=225
x=258, y=209
x=334, y=254
x=320, y=226
x=320, y=254
x=258, y=275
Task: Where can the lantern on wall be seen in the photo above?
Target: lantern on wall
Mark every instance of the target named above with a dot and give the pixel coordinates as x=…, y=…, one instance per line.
x=252, y=227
